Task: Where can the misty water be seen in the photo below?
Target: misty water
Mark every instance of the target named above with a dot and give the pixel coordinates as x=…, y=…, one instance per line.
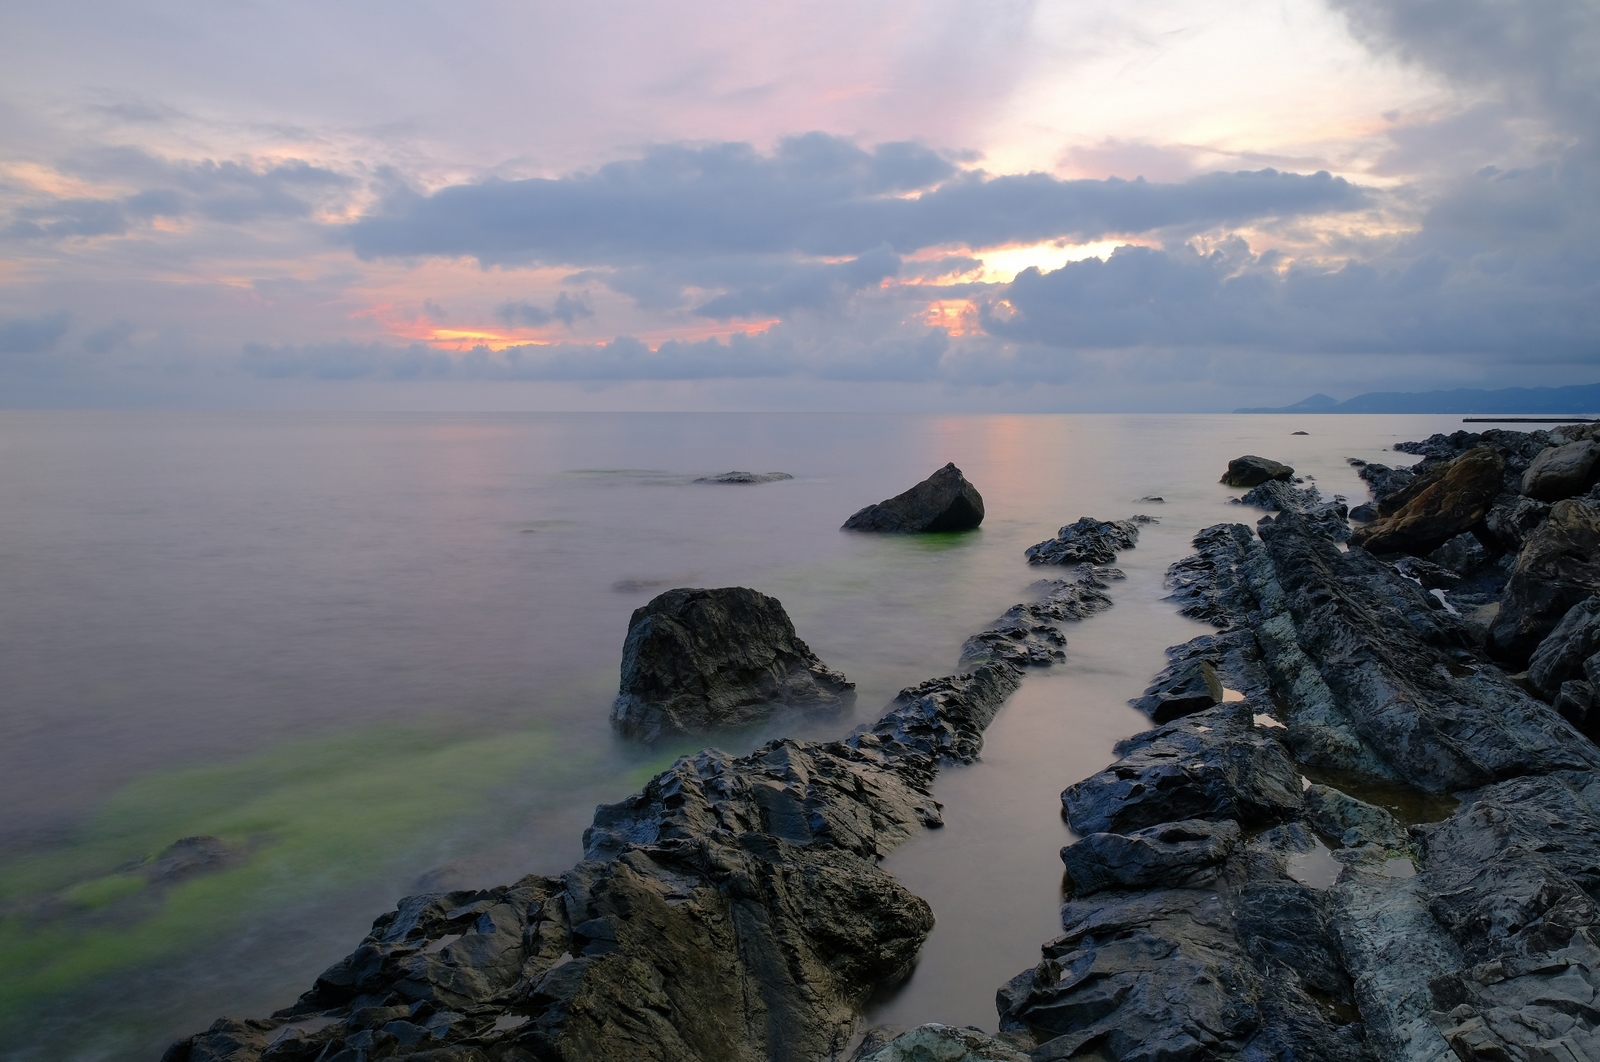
x=375, y=654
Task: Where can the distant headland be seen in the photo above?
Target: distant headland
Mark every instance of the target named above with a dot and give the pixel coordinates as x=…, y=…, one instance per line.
x=1578, y=398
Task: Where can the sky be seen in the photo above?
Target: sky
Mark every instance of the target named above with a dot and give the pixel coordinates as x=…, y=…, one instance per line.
x=946, y=205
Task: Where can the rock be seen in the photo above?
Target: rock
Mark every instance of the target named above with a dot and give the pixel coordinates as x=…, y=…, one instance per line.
x=1249, y=470
x=745, y=477
x=1558, y=567
x=1087, y=541
x=1028, y=634
x=1210, y=765
x=1561, y=471
x=190, y=857
x=1561, y=655
x=1512, y=518
x=944, y=1043
x=945, y=501
x=1330, y=518
x=1384, y=482
x=1366, y=512
x=1575, y=701
x=1171, y=855
x=1299, y=433
x=1462, y=554
x=1152, y=498
x=1480, y=621
x=1349, y=822
x=1439, y=507
x=1180, y=691
x=698, y=659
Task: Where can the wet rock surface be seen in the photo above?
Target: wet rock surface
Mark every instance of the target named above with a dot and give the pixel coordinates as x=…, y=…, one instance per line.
x=1269, y=877
x=1559, y=566
x=698, y=659
x=945, y=501
x=1249, y=470
x=1561, y=471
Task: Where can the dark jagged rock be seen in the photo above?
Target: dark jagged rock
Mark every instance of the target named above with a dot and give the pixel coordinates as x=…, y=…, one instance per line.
x=1249, y=470
x=745, y=477
x=1561, y=656
x=1561, y=471
x=1512, y=518
x=945, y=501
x=1558, y=567
x=1086, y=541
x=1339, y=934
x=698, y=659
x=1201, y=674
x=1028, y=634
x=1366, y=512
x=1462, y=554
x=1382, y=481
x=1330, y=517
x=1438, y=505
x=1214, y=764
x=1171, y=855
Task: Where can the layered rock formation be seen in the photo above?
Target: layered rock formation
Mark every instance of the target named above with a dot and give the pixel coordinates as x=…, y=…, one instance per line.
x=945, y=501
x=1223, y=906
x=698, y=659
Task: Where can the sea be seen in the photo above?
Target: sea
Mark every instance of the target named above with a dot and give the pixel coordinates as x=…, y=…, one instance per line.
x=374, y=654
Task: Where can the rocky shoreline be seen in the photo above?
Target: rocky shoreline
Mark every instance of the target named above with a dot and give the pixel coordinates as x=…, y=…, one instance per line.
x=1358, y=830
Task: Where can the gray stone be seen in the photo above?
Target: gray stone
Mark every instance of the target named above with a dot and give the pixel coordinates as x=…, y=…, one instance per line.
x=945, y=501
x=1170, y=855
x=1249, y=470
x=1558, y=567
x=1512, y=518
x=1561, y=655
x=698, y=659
x=1561, y=471
x=1463, y=554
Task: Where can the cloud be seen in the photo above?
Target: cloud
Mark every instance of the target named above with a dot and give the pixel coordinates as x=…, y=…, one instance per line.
x=1545, y=56
x=104, y=340
x=568, y=309
x=813, y=195
x=1232, y=299
x=34, y=335
x=230, y=193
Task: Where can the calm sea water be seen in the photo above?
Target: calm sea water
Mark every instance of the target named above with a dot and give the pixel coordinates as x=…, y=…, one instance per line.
x=375, y=653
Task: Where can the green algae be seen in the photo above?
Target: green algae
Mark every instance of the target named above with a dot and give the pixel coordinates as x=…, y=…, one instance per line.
x=305, y=816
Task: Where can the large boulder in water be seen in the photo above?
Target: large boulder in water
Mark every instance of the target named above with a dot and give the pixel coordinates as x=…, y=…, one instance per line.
x=1559, y=566
x=1442, y=504
x=945, y=501
x=1251, y=471
x=697, y=659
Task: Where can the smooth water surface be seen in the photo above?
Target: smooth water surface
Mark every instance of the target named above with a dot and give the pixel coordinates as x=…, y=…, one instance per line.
x=375, y=653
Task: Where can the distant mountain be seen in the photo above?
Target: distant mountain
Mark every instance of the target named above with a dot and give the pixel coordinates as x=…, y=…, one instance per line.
x=1579, y=398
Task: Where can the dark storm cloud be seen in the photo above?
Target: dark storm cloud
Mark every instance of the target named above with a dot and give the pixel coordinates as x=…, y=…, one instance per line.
x=814, y=195
x=33, y=335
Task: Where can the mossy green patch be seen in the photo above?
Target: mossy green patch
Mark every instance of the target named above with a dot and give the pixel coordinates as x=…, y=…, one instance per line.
x=310, y=815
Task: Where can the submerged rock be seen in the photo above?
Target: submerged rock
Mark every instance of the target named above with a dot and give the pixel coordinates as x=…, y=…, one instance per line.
x=745, y=477
x=945, y=501
x=1438, y=506
x=1249, y=470
x=1086, y=541
x=698, y=659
